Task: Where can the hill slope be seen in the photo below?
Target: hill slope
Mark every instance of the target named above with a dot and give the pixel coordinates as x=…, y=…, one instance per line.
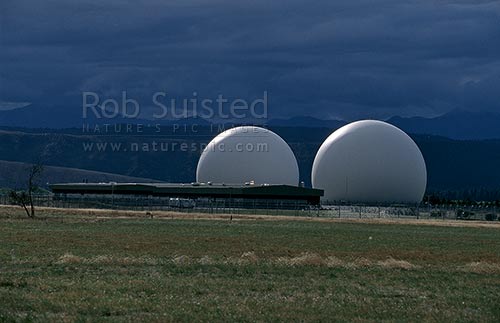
x=15, y=174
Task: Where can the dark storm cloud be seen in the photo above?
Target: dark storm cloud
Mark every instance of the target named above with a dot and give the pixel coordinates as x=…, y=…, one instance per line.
x=330, y=59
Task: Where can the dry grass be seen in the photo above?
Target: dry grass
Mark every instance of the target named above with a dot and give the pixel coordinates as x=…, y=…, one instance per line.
x=304, y=259
x=182, y=260
x=100, y=214
x=482, y=267
x=206, y=260
x=392, y=263
x=360, y=263
x=333, y=262
x=68, y=258
x=249, y=257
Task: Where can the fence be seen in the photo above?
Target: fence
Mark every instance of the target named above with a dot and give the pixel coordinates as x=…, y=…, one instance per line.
x=263, y=207
x=423, y=211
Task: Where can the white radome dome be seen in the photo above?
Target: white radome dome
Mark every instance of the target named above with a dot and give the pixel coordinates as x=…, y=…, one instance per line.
x=372, y=162
x=246, y=154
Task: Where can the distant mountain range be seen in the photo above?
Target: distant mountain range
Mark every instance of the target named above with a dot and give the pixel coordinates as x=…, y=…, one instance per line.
x=457, y=124
x=62, y=117
x=307, y=122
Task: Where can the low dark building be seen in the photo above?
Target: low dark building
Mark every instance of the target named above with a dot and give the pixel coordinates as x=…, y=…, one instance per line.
x=247, y=194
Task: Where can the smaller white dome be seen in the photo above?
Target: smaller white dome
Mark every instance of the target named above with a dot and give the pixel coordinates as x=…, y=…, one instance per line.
x=246, y=154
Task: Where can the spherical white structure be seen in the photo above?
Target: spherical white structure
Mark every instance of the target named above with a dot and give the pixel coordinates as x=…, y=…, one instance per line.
x=246, y=154
x=370, y=161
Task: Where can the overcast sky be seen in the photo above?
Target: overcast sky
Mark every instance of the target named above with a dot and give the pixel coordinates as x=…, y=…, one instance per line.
x=329, y=59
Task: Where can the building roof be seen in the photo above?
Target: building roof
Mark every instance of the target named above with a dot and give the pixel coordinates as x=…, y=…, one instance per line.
x=193, y=190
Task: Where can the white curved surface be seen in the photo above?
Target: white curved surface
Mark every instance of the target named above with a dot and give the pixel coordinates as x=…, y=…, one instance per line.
x=370, y=161
x=245, y=154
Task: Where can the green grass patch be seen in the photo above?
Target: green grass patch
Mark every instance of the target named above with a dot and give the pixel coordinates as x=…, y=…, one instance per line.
x=171, y=270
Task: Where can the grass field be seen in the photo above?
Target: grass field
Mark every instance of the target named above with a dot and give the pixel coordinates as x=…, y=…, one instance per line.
x=91, y=267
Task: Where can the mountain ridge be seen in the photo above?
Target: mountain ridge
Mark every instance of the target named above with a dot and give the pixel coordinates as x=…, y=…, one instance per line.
x=456, y=124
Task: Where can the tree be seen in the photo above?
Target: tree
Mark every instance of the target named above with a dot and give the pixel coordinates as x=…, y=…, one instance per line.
x=25, y=198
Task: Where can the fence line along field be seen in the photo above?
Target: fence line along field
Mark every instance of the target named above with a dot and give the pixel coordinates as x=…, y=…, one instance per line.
x=489, y=211
x=94, y=265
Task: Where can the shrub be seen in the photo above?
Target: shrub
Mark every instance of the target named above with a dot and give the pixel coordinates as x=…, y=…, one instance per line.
x=490, y=217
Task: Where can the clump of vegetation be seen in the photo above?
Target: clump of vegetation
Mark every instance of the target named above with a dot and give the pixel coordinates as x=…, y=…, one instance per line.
x=463, y=214
x=490, y=217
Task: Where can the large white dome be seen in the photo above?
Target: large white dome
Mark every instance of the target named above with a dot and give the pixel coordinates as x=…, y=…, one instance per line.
x=370, y=161
x=245, y=154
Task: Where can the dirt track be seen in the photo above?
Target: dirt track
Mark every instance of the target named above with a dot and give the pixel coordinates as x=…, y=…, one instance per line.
x=44, y=212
